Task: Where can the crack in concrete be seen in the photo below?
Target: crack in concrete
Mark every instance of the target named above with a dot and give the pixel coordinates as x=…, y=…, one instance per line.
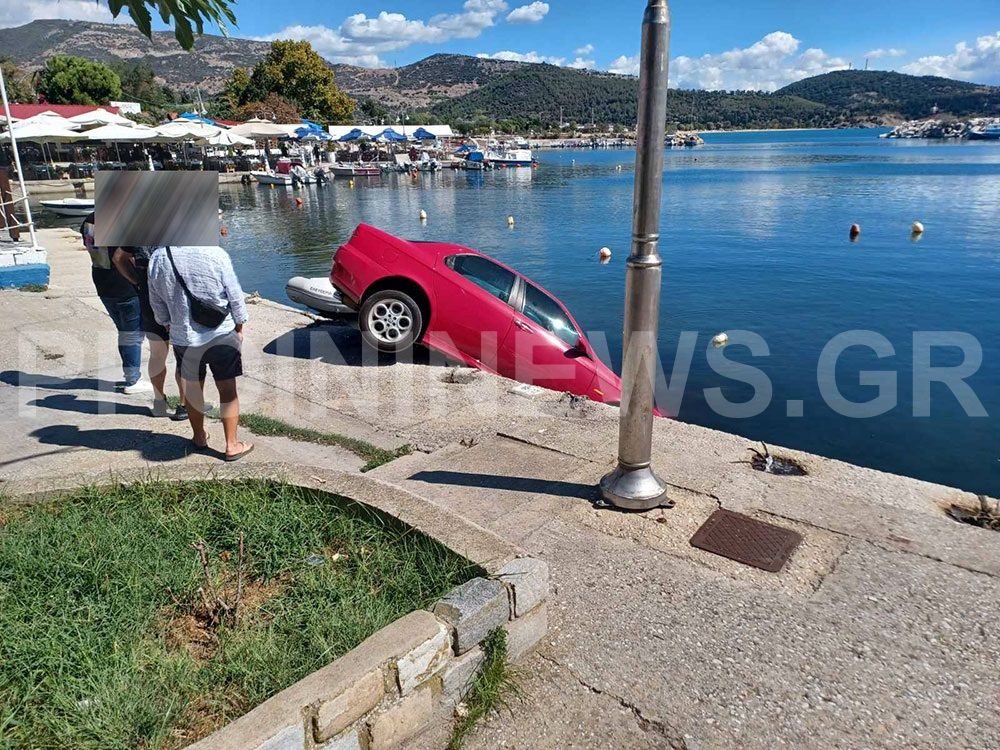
x=658, y=727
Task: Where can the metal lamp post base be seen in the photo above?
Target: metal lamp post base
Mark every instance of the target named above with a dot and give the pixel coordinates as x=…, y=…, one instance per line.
x=634, y=489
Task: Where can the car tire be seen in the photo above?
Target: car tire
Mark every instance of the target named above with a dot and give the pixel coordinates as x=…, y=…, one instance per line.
x=390, y=321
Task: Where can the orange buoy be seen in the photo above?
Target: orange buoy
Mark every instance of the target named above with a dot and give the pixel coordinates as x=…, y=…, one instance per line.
x=224, y=232
x=298, y=201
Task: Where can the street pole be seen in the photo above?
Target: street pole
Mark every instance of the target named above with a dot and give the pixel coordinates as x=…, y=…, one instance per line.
x=17, y=166
x=633, y=485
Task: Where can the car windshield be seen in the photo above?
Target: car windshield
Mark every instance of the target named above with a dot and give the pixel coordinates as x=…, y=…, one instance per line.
x=541, y=308
x=484, y=273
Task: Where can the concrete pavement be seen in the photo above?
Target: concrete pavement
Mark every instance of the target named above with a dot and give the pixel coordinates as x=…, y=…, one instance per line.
x=881, y=631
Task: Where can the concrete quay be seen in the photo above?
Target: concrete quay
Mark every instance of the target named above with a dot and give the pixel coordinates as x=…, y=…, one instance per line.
x=880, y=632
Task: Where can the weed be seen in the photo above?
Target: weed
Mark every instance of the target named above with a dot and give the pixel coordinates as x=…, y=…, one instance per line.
x=493, y=685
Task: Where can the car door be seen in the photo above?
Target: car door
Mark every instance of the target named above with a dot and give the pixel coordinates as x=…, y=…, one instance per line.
x=473, y=299
x=545, y=345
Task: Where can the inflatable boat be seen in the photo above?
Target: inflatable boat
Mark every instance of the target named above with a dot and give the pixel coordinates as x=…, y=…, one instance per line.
x=317, y=294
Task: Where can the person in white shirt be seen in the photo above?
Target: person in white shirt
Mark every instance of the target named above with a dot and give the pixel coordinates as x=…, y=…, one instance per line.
x=181, y=278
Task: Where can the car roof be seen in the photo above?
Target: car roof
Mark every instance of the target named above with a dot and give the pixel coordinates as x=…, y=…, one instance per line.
x=438, y=250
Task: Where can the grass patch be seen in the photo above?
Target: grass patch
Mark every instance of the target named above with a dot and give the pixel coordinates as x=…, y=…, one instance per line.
x=259, y=424
x=493, y=685
x=34, y=288
x=111, y=630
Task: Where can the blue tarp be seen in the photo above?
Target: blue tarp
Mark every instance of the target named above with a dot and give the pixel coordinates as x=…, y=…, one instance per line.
x=475, y=156
x=464, y=149
x=192, y=117
x=353, y=135
x=424, y=135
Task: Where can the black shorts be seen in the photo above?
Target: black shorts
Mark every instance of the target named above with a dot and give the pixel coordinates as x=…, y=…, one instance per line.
x=150, y=327
x=222, y=355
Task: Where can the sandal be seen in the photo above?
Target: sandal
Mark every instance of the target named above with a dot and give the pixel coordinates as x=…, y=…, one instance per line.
x=241, y=454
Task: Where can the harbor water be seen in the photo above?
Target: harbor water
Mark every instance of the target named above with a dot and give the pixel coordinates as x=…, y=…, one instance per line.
x=755, y=238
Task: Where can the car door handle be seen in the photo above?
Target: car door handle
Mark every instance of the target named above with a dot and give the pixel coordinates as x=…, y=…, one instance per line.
x=524, y=326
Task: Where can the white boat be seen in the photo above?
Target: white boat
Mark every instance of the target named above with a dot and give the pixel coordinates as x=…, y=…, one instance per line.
x=317, y=294
x=276, y=178
x=511, y=157
x=70, y=206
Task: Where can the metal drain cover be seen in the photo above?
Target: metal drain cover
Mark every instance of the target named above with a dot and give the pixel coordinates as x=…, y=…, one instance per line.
x=746, y=540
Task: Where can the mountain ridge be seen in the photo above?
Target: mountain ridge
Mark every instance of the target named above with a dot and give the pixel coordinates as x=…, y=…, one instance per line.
x=460, y=87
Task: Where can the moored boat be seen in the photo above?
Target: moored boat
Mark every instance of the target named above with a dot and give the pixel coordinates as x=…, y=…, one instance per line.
x=988, y=133
x=355, y=170
x=317, y=294
x=70, y=206
x=511, y=157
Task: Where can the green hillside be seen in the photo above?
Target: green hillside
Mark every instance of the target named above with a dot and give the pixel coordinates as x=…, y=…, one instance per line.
x=877, y=92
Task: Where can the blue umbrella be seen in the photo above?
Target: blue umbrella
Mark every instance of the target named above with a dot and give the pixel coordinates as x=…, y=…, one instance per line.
x=313, y=125
x=312, y=134
x=391, y=135
x=193, y=117
x=352, y=135
x=424, y=135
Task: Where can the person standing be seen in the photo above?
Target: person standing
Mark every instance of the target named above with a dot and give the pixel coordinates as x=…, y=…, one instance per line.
x=133, y=264
x=121, y=301
x=195, y=294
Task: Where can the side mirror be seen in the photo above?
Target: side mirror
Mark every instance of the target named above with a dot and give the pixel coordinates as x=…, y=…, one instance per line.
x=579, y=349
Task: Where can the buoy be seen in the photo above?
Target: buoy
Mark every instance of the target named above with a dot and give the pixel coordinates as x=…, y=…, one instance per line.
x=224, y=232
x=272, y=186
x=298, y=201
x=604, y=253
x=350, y=183
x=917, y=228
x=720, y=339
x=510, y=221
x=855, y=231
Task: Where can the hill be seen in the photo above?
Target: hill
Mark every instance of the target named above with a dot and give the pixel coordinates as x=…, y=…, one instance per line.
x=458, y=87
x=878, y=92
x=209, y=65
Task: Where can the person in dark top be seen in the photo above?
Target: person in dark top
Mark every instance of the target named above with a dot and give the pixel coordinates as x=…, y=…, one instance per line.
x=133, y=264
x=122, y=303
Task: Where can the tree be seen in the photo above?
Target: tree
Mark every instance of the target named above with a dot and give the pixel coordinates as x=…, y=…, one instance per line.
x=296, y=72
x=19, y=85
x=273, y=107
x=74, y=80
x=183, y=13
x=139, y=83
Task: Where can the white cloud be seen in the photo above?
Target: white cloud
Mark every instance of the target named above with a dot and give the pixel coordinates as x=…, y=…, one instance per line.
x=19, y=13
x=532, y=13
x=362, y=40
x=979, y=62
x=875, y=54
x=765, y=65
x=584, y=50
x=623, y=65
x=582, y=63
x=525, y=57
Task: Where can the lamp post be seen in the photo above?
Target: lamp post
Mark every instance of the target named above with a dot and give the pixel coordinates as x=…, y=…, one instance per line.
x=633, y=485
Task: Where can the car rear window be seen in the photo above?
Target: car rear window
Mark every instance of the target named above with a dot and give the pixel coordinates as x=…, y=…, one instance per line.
x=541, y=308
x=485, y=274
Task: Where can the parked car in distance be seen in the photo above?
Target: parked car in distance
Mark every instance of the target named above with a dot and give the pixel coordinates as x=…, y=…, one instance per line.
x=469, y=307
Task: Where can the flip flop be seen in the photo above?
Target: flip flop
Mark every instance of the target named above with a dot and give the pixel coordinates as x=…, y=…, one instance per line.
x=238, y=456
x=195, y=448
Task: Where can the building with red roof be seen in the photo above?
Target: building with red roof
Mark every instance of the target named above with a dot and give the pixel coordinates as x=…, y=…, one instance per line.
x=23, y=111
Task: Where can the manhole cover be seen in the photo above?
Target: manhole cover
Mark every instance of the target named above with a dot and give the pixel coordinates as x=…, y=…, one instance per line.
x=746, y=540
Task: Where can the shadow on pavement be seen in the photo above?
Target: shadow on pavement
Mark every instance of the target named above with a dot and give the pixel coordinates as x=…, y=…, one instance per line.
x=53, y=383
x=154, y=446
x=71, y=402
x=514, y=484
x=342, y=345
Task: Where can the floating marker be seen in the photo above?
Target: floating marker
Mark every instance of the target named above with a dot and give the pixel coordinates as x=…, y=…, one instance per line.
x=855, y=231
x=720, y=339
x=604, y=253
x=350, y=183
x=510, y=221
x=917, y=228
x=298, y=201
x=423, y=215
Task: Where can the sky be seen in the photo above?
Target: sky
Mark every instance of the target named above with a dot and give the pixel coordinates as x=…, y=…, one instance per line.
x=715, y=44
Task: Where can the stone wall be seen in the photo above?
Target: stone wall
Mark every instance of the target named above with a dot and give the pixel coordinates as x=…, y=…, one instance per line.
x=403, y=679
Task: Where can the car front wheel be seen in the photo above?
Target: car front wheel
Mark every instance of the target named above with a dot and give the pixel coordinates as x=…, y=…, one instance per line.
x=390, y=321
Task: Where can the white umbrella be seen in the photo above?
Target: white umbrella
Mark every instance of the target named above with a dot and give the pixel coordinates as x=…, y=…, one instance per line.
x=180, y=130
x=49, y=119
x=41, y=132
x=226, y=138
x=119, y=134
x=100, y=117
x=256, y=128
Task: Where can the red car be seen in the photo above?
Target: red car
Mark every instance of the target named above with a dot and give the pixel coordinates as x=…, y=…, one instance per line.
x=469, y=307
